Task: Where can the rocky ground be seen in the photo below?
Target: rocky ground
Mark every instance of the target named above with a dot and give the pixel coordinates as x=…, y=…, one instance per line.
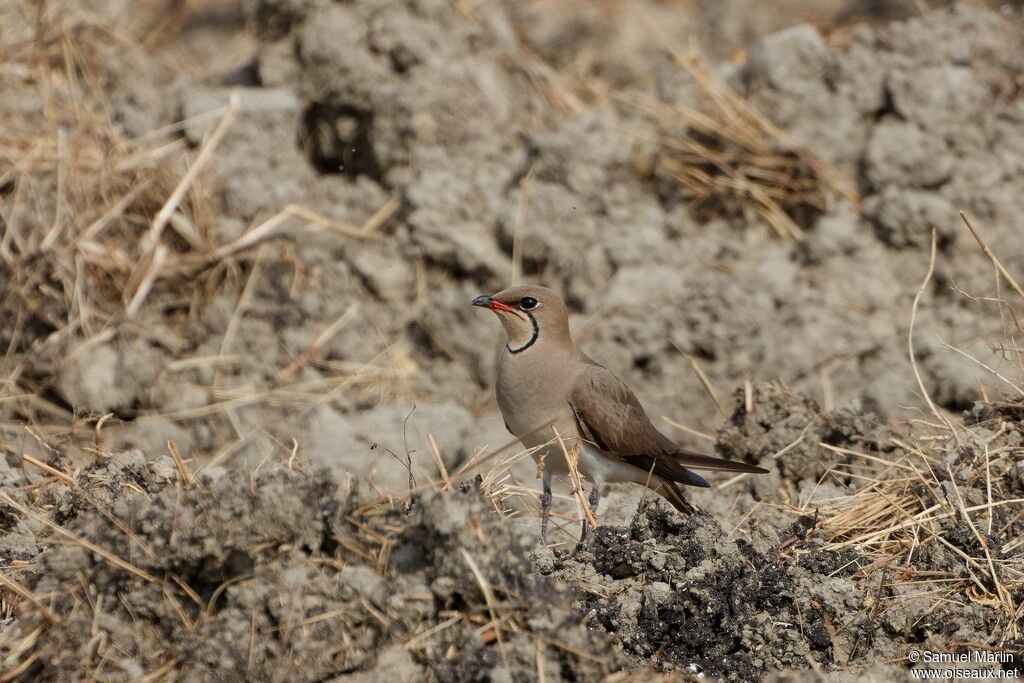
x=133, y=566
x=238, y=245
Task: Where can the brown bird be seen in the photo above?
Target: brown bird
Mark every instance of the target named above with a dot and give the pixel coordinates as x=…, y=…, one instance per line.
x=549, y=390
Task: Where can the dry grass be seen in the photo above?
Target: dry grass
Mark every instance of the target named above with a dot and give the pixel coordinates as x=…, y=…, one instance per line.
x=79, y=250
x=364, y=536
x=946, y=491
x=908, y=506
x=106, y=238
x=78, y=194
x=127, y=230
x=731, y=160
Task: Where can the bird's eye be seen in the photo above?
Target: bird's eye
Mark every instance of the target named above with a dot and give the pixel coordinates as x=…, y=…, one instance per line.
x=527, y=303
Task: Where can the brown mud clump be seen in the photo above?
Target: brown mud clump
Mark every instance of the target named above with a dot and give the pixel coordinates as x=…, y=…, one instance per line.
x=133, y=567
x=679, y=592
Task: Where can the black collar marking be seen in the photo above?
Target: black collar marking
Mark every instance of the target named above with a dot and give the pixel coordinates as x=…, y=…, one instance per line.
x=533, y=337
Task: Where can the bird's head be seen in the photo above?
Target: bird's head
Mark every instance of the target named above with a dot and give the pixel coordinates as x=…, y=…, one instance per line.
x=528, y=314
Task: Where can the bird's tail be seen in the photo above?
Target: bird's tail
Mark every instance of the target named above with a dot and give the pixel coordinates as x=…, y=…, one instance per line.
x=700, y=461
x=671, y=491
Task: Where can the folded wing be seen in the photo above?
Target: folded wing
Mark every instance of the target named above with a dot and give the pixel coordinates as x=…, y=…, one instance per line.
x=610, y=416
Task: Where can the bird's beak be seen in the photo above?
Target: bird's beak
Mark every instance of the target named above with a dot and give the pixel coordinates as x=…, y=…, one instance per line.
x=491, y=303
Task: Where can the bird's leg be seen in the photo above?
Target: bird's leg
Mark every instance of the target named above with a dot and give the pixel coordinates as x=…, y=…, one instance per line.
x=545, y=507
x=592, y=500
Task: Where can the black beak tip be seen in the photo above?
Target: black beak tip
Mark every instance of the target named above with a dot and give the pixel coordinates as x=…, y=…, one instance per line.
x=483, y=300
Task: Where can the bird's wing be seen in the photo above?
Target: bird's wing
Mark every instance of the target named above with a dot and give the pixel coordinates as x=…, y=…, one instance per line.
x=610, y=416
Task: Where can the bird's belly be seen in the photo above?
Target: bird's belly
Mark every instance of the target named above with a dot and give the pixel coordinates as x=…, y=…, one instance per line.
x=598, y=467
x=592, y=464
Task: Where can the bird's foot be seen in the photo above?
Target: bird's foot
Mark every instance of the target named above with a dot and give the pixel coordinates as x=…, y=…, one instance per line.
x=592, y=500
x=545, y=513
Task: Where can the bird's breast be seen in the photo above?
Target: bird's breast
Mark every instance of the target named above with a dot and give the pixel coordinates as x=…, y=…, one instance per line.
x=534, y=397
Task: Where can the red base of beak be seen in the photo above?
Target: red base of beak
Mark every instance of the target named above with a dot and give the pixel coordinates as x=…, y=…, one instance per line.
x=491, y=303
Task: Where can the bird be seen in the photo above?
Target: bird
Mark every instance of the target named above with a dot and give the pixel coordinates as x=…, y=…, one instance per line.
x=556, y=400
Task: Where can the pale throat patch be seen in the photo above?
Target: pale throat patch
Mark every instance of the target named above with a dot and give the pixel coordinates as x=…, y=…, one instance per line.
x=522, y=331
